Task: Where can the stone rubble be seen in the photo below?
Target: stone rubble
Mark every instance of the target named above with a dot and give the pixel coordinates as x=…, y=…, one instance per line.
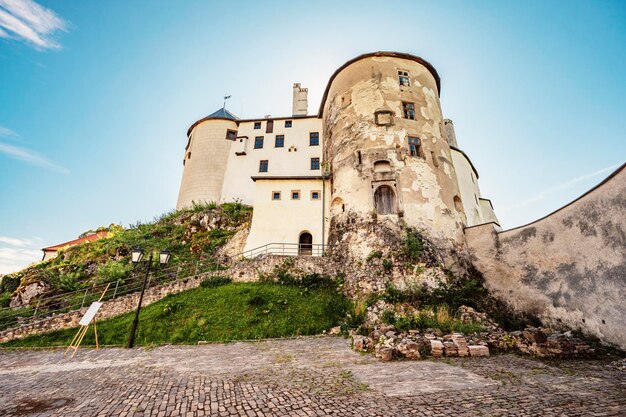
x=388, y=343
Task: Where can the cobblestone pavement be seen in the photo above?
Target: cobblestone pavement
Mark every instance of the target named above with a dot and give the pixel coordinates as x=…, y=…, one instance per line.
x=300, y=377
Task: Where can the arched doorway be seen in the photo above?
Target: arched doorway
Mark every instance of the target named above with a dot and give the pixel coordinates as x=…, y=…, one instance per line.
x=305, y=244
x=385, y=200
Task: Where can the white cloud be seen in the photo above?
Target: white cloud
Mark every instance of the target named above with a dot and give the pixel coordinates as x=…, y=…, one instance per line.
x=28, y=21
x=5, y=132
x=31, y=157
x=559, y=187
x=15, y=242
x=16, y=254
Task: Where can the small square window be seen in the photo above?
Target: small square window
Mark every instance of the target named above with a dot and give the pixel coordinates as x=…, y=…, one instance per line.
x=288, y=123
x=403, y=78
x=414, y=146
x=315, y=163
x=314, y=138
x=275, y=195
x=408, y=110
x=295, y=194
x=257, y=125
x=280, y=141
x=263, y=165
x=231, y=134
x=315, y=195
x=258, y=142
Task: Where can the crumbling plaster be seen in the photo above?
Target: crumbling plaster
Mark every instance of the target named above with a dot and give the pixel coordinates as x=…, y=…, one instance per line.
x=567, y=268
x=425, y=185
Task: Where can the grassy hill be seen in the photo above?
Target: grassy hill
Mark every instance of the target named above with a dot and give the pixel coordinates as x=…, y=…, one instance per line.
x=189, y=235
x=235, y=311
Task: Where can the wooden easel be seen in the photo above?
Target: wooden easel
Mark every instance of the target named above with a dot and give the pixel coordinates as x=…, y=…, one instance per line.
x=78, y=338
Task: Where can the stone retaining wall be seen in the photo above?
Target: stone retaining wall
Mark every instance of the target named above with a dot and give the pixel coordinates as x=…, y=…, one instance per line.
x=110, y=308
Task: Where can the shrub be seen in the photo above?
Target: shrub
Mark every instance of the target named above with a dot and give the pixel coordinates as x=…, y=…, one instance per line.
x=70, y=282
x=216, y=281
x=114, y=271
x=388, y=317
x=9, y=283
x=387, y=265
x=5, y=299
x=413, y=245
x=374, y=254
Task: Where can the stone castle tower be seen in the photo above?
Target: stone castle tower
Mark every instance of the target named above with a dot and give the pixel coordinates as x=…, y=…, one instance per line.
x=386, y=144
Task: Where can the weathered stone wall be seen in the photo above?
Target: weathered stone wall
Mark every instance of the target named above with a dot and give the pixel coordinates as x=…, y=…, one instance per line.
x=367, y=144
x=110, y=308
x=567, y=268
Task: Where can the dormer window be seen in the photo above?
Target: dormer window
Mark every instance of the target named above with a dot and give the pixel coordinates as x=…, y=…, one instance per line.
x=403, y=78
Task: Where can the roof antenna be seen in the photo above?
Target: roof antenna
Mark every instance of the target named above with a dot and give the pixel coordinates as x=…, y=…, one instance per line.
x=225, y=98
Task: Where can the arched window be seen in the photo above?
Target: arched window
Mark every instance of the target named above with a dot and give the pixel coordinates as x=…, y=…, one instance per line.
x=385, y=200
x=305, y=244
x=337, y=206
x=457, y=204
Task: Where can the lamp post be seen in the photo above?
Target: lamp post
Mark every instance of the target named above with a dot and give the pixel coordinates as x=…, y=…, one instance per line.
x=136, y=257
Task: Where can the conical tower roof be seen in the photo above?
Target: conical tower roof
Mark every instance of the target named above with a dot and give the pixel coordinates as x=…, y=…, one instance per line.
x=223, y=113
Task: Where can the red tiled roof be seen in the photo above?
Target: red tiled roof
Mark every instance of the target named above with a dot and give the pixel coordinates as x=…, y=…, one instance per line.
x=90, y=238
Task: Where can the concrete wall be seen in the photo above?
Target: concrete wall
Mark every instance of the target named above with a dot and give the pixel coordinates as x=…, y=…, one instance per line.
x=567, y=268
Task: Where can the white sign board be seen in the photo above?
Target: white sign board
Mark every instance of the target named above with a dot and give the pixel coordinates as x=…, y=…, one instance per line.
x=90, y=314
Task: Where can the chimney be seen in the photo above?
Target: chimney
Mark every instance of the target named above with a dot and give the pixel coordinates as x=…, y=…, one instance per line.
x=449, y=131
x=300, y=105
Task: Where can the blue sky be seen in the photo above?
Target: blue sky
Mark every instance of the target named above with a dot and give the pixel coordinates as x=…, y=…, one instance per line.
x=96, y=97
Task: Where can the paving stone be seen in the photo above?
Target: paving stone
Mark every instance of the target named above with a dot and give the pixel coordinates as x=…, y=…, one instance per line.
x=300, y=377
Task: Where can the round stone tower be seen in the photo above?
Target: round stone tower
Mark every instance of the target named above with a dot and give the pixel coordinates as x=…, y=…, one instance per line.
x=206, y=156
x=386, y=145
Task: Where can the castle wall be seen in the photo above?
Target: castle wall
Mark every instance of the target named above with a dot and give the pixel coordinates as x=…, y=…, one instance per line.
x=205, y=162
x=365, y=154
x=468, y=188
x=569, y=267
x=292, y=160
x=283, y=220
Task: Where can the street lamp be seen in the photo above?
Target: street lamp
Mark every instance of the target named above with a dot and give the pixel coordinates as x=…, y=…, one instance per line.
x=136, y=257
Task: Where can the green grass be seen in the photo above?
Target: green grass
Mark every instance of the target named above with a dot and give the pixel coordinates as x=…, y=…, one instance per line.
x=237, y=311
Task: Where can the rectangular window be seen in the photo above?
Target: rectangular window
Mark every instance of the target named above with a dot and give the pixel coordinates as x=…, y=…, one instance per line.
x=315, y=163
x=258, y=142
x=314, y=138
x=257, y=125
x=263, y=166
x=231, y=134
x=269, y=126
x=408, y=109
x=275, y=195
x=403, y=78
x=280, y=141
x=295, y=194
x=414, y=146
x=315, y=195
x=287, y=123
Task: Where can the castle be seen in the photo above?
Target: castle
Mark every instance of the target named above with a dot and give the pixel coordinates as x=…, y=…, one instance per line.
x=378, y=145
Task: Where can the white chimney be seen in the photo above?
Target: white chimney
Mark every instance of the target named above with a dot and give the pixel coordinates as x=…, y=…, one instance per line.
x=300, y=104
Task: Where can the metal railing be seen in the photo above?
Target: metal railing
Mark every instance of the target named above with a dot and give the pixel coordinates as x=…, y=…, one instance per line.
x=40, y=308
x=285, y=249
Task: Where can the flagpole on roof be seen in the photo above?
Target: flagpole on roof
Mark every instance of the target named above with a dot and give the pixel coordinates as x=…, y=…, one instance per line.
x=225, y=98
